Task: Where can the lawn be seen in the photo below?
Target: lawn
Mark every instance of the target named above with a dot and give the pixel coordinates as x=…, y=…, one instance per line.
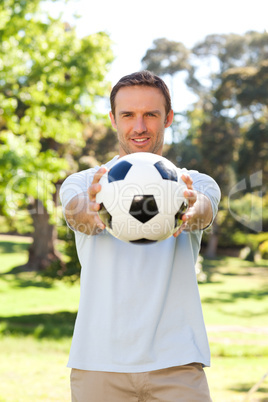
x=36, y=323
x=37, y=317
x=235, y=306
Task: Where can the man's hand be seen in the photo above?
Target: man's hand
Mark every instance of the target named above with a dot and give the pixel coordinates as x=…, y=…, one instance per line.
x=93, y=205
x=82, y=211
x=199, y=213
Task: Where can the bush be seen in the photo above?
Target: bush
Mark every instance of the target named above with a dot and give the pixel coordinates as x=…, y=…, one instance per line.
x=234, y=232
x=263, y=249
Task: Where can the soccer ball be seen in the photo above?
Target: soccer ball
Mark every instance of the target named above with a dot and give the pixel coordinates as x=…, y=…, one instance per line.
x=142, y=199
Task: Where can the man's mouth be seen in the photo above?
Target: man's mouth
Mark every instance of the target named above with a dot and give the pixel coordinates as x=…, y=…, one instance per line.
x=140, y=140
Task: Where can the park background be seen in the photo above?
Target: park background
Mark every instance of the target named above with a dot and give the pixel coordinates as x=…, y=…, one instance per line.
x=56, y=71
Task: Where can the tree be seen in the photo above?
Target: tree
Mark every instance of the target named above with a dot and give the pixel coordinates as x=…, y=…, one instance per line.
x=248, y=86
x=245, y=85
x=166, y=57
x=227, y=130
x=49, y=79
x=220, y=53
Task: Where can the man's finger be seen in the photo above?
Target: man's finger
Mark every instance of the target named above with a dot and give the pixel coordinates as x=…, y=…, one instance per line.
x=178, y=232
x=93, y=190
x=99, y=174
x=187, y=180
x=95, y=186
x=94, y=206
x=191, y=196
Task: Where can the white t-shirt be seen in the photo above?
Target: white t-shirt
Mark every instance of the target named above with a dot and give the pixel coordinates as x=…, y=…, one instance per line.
x=139, y=307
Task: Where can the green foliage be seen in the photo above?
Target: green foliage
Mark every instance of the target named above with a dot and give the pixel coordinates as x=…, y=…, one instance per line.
x=166, y=57
x=70, y=272
x=246, y=84
x=232, y=50
x=253, y=152
x=49, y=79
x=254, y=240
x=26, y=172
x=101, y=145
x=227, y=126
x=247, y=209
x=263, y=248
x=237, y=219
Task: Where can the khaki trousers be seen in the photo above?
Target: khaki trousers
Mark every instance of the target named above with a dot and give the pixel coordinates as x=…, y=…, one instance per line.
x=175, y=384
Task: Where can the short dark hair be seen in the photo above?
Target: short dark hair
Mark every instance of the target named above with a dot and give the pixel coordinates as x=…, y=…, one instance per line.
x=142, y=78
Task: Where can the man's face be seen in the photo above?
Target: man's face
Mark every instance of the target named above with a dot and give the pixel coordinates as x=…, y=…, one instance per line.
x=140, y=119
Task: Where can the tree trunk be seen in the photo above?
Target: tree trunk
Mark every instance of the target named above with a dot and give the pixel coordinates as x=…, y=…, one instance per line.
x=211, y=250
x=42, y=251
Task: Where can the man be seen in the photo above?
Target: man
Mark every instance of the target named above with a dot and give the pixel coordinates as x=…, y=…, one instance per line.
x=139, y=333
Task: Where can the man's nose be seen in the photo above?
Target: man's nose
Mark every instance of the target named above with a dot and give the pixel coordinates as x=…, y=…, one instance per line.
x=140, y=125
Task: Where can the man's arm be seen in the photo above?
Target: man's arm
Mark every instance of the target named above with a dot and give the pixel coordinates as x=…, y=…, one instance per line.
x=199, y=214
x=81, y=212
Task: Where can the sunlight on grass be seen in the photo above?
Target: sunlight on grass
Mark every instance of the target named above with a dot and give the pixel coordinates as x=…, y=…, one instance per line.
x=33, y=370
x=235, y=307
x=231, y=378
x=25, y=295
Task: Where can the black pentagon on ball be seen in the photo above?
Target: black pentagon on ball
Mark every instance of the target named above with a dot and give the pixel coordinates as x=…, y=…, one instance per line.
x=143, y=208
x=143, y=241
x=105, y=216
x=119, y=171
x=167, y=173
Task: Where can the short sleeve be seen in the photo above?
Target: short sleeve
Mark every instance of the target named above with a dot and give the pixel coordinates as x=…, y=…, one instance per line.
x=75, y=184
x=78, y=183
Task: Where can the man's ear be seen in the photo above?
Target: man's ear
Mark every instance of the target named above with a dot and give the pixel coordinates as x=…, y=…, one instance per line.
x=112, y=118
x=169, y=119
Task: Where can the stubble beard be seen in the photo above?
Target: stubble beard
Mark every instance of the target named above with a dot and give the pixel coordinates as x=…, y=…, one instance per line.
x=156, y=148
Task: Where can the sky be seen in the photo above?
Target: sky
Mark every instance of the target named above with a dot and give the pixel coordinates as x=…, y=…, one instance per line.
x=133, y=25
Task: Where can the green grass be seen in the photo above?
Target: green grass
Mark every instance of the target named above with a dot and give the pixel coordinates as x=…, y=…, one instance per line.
x=37, y=317
x=236, y=293
x=231, y=378
x=235, y=307
x=33, y=370
x=36, y=323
